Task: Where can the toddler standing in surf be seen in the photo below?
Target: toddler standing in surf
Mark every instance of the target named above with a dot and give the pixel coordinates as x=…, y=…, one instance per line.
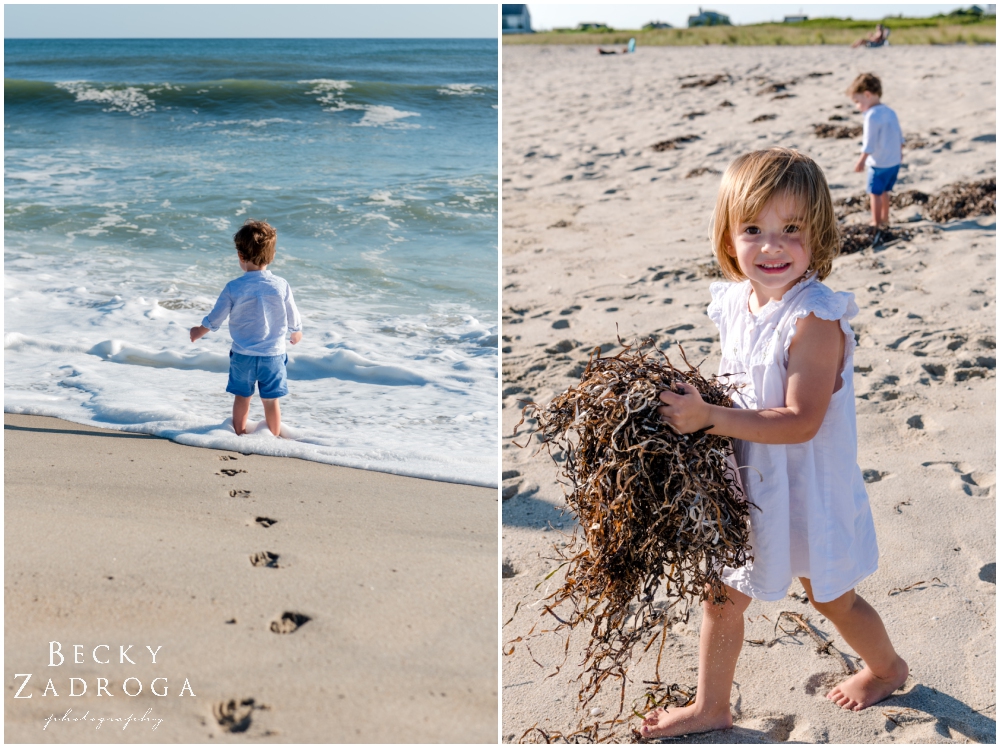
x=881, y=146
x=261, y=311
x=786, y=337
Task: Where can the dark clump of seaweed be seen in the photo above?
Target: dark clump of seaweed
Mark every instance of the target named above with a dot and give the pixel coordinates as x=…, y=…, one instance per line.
x=826, y=130
x=964, y=199
x=673, y=143
x=707, y=82
x=657, y=510
x=858, y=236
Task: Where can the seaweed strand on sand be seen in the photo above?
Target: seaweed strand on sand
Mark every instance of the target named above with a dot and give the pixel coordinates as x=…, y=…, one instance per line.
x=657, y=510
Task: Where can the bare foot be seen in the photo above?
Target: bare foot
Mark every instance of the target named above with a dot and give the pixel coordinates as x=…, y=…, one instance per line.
x=864, y=688
x=661, y=723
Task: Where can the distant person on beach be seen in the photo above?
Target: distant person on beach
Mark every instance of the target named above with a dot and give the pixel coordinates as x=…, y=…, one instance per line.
x=878, y=38
x=881, y=145
x=787, y=334
x=630, y=49
x=261, y=311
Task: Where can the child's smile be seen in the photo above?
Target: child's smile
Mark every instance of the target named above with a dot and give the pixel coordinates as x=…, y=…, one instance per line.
x=772, y=250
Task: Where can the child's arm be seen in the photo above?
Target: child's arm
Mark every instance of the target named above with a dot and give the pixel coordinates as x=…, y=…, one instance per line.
x=215, y=317
x=293, y=317
x=867, y=137
x=814, y=361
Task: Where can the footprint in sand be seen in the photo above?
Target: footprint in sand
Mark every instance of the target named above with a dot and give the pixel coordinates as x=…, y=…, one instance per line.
x=821, y=682
x=228, y=457
x=230, y=472
x=264, y=558
x=289, y=622
x=778, y=727
x=507, y=570
x=988, y=573
x=873, y=476
x=968, y=480
x=239, y=493
x=266, y=521
x=234, y=716
x=935, y=370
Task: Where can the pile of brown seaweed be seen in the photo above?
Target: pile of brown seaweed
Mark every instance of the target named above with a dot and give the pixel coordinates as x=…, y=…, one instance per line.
x=964, y=199
x=656, y=509
x=826, y=130
x=670, y=145
x=857, y=237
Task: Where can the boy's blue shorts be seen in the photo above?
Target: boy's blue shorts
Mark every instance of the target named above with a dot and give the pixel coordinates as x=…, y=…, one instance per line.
x=881, y=180
x=267, y=371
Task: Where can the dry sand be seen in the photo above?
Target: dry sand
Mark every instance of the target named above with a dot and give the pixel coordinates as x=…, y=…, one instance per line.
x=599, y=230
x=119, y=539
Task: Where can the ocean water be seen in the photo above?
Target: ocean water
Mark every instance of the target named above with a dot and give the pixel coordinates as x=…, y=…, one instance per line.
x=128, y=166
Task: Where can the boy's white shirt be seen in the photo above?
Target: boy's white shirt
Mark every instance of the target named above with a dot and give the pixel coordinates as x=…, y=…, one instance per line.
x=261, y=311
x=883, y=140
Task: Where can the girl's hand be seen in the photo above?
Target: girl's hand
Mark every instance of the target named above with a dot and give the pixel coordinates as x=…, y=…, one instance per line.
x=685, y=412
x=198, y=332
x=295, y=337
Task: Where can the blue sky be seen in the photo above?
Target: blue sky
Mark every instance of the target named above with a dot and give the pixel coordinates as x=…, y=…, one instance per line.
x=633, y=16
x=82, y=21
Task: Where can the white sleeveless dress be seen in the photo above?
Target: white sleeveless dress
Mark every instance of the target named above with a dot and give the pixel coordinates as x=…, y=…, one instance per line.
x=812, y=517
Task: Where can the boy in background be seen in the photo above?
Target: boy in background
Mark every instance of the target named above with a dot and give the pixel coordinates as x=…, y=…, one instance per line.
x=881, y=145
x=261, y=311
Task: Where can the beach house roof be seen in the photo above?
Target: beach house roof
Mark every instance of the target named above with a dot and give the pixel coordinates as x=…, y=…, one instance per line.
x=515, y=19
x=708, y=18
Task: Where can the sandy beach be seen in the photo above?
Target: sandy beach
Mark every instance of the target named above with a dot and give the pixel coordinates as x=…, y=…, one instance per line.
x=605, y=235
x=282, y=600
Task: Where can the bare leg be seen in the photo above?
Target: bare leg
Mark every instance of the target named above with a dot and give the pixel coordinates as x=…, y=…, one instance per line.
x=241, y=409
x=883, y=216
x=861, y=627
x=272, y=414
x=719, y=648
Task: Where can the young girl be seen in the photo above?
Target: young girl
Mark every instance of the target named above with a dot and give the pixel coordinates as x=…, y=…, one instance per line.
x=786, y=338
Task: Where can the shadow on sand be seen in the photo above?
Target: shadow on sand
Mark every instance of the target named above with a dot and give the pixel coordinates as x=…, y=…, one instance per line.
x=524, y=510
x=82, y=431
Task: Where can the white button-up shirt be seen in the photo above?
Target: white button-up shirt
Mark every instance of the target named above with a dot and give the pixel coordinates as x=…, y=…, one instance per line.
x=882, y=140
x=261, y=313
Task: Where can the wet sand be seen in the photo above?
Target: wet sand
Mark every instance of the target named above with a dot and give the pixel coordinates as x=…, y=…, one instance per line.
x=120, y=539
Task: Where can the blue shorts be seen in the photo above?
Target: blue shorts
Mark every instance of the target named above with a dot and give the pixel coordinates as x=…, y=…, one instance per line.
x=267, y=371
x=881, y=180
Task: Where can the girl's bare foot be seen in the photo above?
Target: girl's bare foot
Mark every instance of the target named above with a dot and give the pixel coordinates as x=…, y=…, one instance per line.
x=663, y=723
x=864, y=688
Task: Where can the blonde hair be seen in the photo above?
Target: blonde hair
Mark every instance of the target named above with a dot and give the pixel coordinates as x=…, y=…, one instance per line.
x=751, y=181
x=255, y=241
x=865, y=82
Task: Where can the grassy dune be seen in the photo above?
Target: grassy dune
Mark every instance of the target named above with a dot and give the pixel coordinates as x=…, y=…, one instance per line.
x=946, y=30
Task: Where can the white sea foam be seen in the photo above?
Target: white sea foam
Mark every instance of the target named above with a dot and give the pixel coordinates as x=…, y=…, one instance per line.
x=324, y=85
x=462, y=89
x=329, y=94
x=379, y=115
x=103, y=342
x=128, y=99
x=375, y=115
